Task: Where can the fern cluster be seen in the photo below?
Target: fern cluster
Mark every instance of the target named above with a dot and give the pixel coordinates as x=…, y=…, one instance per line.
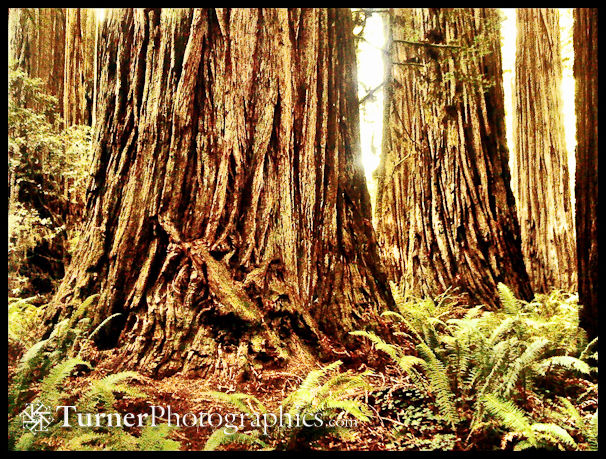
x=66, y=340
x=99, y=397
x=43, y=370
x=325, y=394
x=472, y=364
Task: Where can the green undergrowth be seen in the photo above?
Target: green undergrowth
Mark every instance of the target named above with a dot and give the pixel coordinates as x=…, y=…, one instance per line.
x=326, y=402
x=524, y=374
x=40, y=380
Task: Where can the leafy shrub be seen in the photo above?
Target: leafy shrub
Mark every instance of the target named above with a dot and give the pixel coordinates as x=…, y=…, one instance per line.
x=48, y=167
x=23, y=317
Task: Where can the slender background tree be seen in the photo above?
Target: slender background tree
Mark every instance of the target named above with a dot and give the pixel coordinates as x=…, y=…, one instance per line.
x=37, y=45
x=540, y=172
x=586, y=184
x=80, y=52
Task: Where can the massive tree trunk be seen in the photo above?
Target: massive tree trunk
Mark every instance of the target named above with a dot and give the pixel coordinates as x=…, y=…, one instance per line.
x=447, y=214
x=586, y=188
x=540, y=172
x=79, y=66
x=228, y=216
x=36, y=45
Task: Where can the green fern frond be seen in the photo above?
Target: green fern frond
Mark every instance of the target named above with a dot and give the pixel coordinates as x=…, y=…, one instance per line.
x=309, y=387
x=440, y=384
x=32, y=354
x=101, y=325
x=220, y=438
x=568, y=410
x=33, y=358
x=352, y=407
x=528, y=357
x=564, y=361
x=511, y=305
x=315, y=376
x=586, y=353
x=50, y=391
x=415, y=330
x=504, y=327
x=379, y=344
x=82, y=309
x=395, y=315
x=25, y=442
x=238, y=400
x=509, y=415
x=340, y=384
x=554, y=434
x=407, y=362
x=524, y=444
x=154, y=438
x=592, y=432
x=103, y=390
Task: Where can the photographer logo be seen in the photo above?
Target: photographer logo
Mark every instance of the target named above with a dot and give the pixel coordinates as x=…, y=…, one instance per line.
x=36, y=417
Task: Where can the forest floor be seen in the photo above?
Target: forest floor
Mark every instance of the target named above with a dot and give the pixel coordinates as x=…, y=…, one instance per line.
x=402, y=415
x=270, y=387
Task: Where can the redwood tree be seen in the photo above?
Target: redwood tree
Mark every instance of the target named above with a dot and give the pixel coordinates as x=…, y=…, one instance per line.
x=36, y=44
x=80, y=52
x=228, y=216
x=540, y=172
x=57, y=46
x=445, y=211
x=586, y=188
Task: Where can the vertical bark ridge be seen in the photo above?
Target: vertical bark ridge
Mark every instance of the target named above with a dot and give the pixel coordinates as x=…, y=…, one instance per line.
x=585, y=38
x=540, y=172
x=447, y=213
x=78, y=75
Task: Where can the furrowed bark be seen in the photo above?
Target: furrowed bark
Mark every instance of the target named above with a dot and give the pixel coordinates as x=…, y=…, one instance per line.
x=79, y=68
x=227, y=215
x=540, y=172
x=585, y=38
x=447, y=214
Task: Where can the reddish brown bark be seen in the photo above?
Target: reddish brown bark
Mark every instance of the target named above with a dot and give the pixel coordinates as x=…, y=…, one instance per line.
x=228, y=214
x=445, y=211
x=540, y=171
x=586, y=187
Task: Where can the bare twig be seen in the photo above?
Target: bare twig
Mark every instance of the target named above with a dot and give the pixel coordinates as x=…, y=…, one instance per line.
x=414, y=64
x=370, y=93
x=430, y=45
